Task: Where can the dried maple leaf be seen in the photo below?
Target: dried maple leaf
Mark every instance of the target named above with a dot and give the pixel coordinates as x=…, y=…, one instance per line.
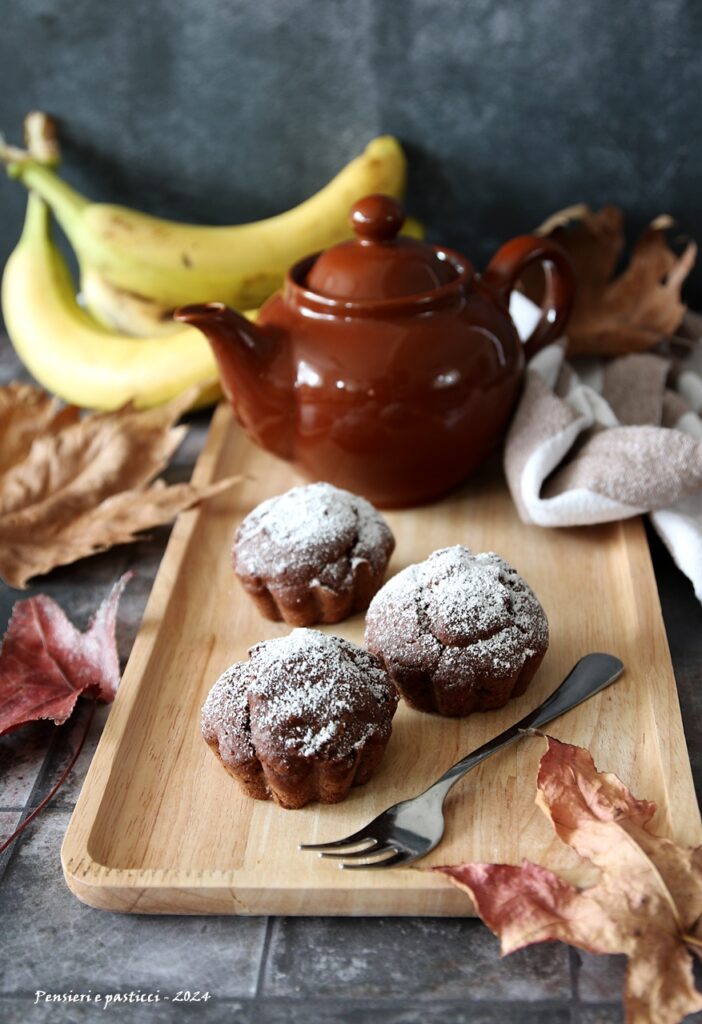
x=628, y=313
x=646, y=904
x=82, y=485
x=46, y=663
x=26, y=411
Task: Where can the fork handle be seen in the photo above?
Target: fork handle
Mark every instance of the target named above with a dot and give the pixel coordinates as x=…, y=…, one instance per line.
x=590, y=675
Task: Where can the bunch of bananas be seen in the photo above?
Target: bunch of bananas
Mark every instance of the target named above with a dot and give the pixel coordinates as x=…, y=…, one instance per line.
x=122, y=344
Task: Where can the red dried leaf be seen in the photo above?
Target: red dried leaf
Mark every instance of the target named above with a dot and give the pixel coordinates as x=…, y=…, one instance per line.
x=529, y=904
x=46, y=663
x=647, y=903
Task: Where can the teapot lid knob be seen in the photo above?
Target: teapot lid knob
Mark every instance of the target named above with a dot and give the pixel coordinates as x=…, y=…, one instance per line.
x=377, y=265
x=377, y=218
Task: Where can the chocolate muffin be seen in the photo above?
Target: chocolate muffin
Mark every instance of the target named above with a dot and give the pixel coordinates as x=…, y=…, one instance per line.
x=458, y=632
x=307, y=717
x=313, y=554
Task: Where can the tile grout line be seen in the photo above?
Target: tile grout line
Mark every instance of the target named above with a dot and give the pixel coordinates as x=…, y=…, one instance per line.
x=31, y=802
x=265, y=947
x=557, y=1002
x=63, y=731
x=574, y=968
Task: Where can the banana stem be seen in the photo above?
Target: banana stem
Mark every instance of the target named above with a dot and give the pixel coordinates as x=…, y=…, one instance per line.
x=10, y=155
x=41, y=137
x=36, y=219
x=65, y=202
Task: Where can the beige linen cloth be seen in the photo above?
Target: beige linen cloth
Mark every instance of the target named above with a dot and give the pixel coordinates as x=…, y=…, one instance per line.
x=594, y=440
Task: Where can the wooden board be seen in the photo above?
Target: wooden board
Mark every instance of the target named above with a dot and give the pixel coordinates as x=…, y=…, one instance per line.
x=160, y=826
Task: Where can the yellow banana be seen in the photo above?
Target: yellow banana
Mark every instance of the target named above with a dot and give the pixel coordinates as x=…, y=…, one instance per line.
x=123, y=310
x=162, y=264
x=139, y=315
x=78, y=359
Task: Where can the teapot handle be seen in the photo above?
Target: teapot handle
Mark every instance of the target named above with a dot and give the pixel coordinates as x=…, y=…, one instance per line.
x=507, y=266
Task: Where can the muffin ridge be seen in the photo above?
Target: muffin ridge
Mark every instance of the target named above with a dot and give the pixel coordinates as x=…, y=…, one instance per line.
x=308, y=716
x=458, y=632
x=313, y=554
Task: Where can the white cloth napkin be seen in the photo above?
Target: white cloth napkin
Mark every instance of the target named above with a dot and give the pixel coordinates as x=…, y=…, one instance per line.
x=594, y=440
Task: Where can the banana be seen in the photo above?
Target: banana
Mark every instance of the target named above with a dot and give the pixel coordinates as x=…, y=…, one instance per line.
x=123, y=310
x=140, y=315
x=78, y=359
x=159, y=264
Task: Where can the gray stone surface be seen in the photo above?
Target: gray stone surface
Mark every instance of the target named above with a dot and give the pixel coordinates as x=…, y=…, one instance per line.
x=27, y=1011
x=365, y=1011
x=233, y=110
x=422, y=958
x=350, y=971
x=605, y=1015
x=22, y=755
x=55, y=943
x=600, y=979
x=61, y=753
x=9, y=820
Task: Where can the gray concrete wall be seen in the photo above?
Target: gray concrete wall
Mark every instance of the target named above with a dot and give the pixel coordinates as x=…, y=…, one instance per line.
x=223, y=110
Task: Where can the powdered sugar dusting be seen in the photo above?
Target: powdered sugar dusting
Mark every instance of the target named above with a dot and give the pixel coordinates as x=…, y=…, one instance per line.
x=301, y=696
x=225, y=715
x=461, y=616
x=313, y=533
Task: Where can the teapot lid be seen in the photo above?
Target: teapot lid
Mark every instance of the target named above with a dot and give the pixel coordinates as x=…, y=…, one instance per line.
x=378, y=265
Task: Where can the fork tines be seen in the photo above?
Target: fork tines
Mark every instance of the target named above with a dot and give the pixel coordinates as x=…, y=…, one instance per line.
x=345, y=849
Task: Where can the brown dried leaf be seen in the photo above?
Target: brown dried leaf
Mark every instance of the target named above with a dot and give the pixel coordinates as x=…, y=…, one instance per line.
x=646, y=904
x=595, y=814
x=80, y=486
x=26, y=411
x=628, y=313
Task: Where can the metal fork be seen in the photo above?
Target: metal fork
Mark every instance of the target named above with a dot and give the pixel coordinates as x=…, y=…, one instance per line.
x=409, y=830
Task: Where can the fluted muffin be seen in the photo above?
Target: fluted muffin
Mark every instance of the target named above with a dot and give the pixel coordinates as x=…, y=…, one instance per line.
x=459, y=632
x=316, y=554
x=305, y=718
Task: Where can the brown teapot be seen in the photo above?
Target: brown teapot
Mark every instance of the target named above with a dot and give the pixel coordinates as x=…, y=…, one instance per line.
x=386, y=366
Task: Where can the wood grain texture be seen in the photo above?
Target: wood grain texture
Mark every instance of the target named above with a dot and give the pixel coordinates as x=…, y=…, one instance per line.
x=161, y=828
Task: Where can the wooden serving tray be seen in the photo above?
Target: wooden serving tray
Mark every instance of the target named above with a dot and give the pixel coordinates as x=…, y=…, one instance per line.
x=160, y=827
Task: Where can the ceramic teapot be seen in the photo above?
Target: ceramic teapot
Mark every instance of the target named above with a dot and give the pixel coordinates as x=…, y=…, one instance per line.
x=385, y=366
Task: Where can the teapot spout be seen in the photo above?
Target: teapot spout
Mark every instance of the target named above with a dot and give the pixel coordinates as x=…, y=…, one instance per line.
x=254, y=370
x=223, y=327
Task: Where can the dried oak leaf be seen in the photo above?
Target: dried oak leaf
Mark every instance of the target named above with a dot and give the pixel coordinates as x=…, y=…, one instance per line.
x=83, y=485
x=647, y=902
x=46, y=663
x=628, y=313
